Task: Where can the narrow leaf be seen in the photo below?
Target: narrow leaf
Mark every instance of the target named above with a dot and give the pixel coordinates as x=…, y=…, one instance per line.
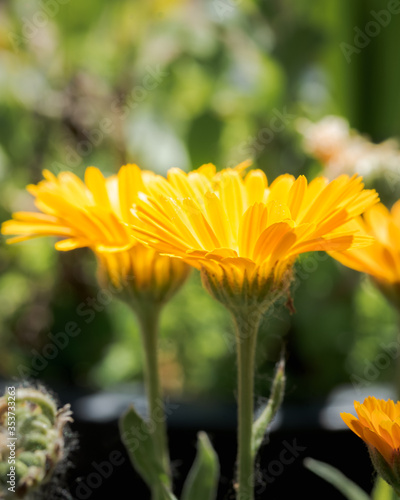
x=138, y=440
x=333, y=476
x=262, y=423
x=202, y=481
x=167, y=494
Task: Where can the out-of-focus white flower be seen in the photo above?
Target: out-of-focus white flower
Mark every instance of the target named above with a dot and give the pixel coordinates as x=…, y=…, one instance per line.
x=342, y=150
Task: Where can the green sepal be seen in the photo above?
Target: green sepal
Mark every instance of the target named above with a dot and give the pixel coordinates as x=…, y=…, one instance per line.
x=336, y=478
x=142, y=451
x=382, y=490
x=262, y=423
x=202, y=480
x=389, y=472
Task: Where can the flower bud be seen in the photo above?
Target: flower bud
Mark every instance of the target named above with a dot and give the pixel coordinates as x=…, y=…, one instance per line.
x=32, y=440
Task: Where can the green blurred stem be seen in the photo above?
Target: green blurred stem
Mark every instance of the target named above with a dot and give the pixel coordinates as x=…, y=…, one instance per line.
x=149, y=318
x=246, y=339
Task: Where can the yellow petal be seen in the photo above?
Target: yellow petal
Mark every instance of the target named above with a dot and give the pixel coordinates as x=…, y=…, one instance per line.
x=218, y=220
x=268, y=240
x=96, y=183
x=352, y=422
x=253, y=222
x=32, y=228
x=256, y=187
x=379, y=443
x=70, y=244
x=296, y=196
x=232, y=195
x=129, y=183
x=280, y=188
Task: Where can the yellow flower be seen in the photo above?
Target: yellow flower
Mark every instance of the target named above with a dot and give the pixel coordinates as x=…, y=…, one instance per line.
x=378, y=425
x=381, y=260
x=243, y=233
x=95, y=213
x=244, y=236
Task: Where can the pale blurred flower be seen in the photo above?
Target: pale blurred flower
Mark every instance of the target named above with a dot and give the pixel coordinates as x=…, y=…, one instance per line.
x=342, y=150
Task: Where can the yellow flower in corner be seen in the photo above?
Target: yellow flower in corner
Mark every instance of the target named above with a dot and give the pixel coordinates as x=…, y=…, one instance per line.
x=244, y=234
x=95, y=213
x=378, y=425
x=381, y=260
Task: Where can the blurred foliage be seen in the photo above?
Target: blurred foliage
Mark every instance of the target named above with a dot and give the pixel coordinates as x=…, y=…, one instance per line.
x=179, y=83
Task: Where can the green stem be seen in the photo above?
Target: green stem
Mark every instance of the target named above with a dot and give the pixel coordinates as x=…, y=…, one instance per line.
x=149, y=321
x=246, y=338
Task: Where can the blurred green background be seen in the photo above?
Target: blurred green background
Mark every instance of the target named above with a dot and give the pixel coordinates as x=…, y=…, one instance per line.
x=176, y=84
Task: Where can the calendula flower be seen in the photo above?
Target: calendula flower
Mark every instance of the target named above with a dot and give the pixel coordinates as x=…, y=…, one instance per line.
x=95, y=213
x=381, y=260
x=378, y=425
x=244, y=233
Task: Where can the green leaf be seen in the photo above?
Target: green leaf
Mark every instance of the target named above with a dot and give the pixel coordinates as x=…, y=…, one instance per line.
x=138, y=440
x=166, y=494
x=382, y=490
x=349, y=489
x=260, y=426
x=202, y=481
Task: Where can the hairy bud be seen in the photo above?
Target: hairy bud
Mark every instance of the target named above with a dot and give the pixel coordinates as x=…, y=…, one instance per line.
x=32, y=440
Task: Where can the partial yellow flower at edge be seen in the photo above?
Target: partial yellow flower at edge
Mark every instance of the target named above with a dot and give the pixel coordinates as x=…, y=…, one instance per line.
x=95, y=213
x=378, y=425
x=243, y=232
x=381, y=260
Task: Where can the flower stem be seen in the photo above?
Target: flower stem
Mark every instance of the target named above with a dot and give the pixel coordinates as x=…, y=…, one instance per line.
x=246, y=338
x=149, y=321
